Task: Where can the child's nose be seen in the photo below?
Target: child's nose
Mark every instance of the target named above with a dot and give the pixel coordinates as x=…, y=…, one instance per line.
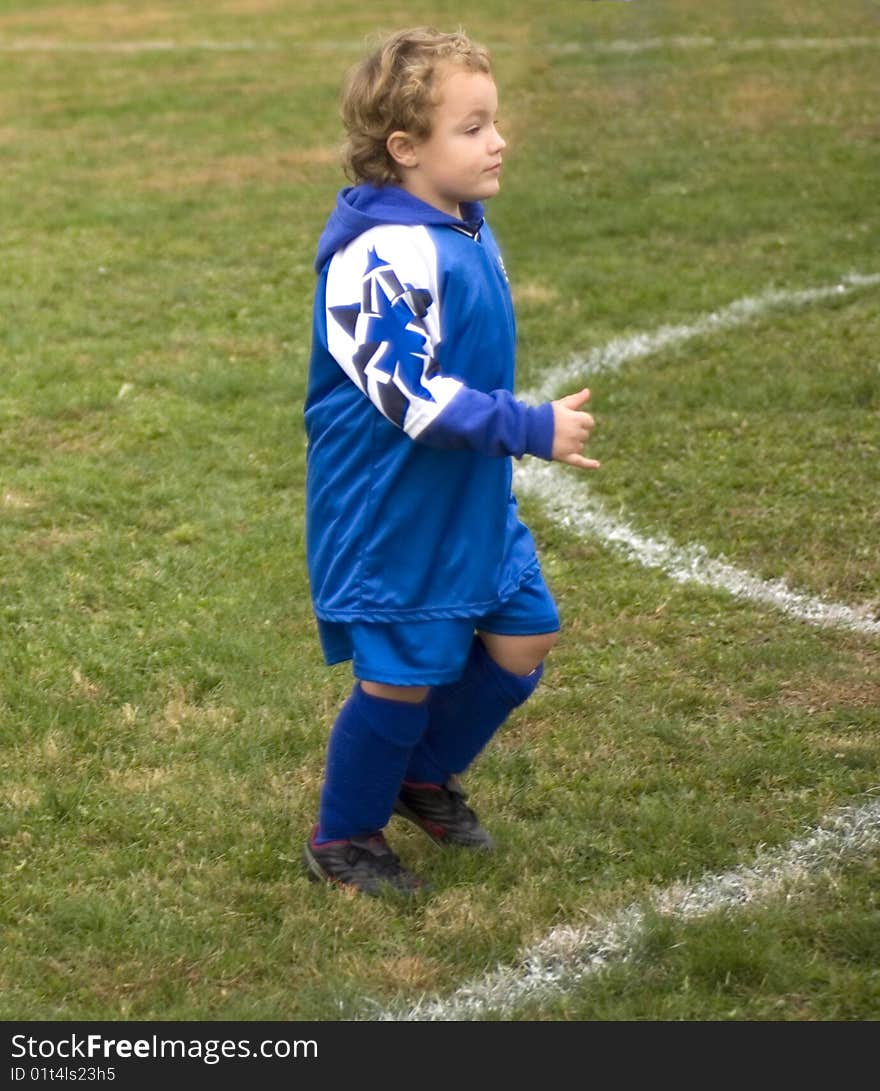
x=498, y=141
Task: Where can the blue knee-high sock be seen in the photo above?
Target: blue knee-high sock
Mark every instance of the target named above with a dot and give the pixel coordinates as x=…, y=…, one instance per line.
x=367, y=755
x=464, y=715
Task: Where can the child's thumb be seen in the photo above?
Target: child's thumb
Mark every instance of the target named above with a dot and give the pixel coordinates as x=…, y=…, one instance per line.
x=575, y=401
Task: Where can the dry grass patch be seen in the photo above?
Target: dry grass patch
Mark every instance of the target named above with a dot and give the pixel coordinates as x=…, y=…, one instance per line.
x=460, y=913
x=610, y=99
x=251, y=7
x=855, y=744
x=535, y=292
x=82, y=687
x=70, y=21
x=140, y=985
x=137, y=781
x=821, y=695
x=232, y=170
x=17, y=501
x=51, y=747
x=180, y=714
x=826, y=695
x=19, y=797
x=305, y=780
x=45, y=541
x=410, y=974
x=759, y=104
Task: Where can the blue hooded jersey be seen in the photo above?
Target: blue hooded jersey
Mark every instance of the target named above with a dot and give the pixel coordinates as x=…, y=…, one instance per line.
x=410, y=417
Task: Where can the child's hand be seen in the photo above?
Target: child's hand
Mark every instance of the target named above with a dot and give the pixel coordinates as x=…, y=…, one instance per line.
x=571, y=430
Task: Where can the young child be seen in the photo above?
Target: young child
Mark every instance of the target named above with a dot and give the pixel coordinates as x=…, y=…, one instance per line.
x=421, y=572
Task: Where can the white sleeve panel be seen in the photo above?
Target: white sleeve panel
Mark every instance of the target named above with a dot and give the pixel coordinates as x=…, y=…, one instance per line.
x=383, y=323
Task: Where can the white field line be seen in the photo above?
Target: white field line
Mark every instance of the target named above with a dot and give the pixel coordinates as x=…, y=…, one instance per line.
x=43, y=45
x=569, y=503
x=738, y=45
x=622, y=350
x=619, y=46
x=568, y=955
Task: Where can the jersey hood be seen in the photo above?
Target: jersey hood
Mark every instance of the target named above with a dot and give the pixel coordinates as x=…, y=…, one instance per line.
x=359, y=208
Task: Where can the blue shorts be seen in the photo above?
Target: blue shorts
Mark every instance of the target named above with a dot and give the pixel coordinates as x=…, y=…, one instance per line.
x=431, y=653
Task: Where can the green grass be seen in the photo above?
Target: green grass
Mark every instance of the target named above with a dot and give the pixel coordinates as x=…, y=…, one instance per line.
x=163, y=703
x=813, y=961
x=781, y=438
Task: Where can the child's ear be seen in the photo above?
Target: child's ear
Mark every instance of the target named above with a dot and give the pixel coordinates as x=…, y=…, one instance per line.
x=402, y=149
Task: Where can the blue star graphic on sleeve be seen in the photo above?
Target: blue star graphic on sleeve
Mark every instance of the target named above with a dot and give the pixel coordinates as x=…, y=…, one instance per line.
x=394, y=353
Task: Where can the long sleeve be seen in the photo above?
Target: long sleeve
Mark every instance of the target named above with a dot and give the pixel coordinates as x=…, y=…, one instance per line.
x=387, y=326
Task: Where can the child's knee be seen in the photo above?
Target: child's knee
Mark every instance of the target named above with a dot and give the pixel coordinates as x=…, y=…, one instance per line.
x=517, y=685
x=545, y=644
x=520, y=655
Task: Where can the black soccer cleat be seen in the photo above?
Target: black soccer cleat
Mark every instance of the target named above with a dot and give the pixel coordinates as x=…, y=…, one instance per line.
x=365, y=864
x=440, y=810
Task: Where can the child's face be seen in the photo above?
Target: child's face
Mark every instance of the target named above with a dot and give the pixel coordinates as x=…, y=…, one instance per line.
x=461, y=159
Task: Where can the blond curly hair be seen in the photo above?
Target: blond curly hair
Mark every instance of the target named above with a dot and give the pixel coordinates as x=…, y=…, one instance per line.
x=393, y=89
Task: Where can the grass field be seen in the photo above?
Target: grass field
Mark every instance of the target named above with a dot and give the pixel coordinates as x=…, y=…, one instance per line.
x=167, y=168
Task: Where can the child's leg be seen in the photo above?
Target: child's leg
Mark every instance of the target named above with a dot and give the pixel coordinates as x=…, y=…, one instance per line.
x=367, y=756
x=502, y=672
